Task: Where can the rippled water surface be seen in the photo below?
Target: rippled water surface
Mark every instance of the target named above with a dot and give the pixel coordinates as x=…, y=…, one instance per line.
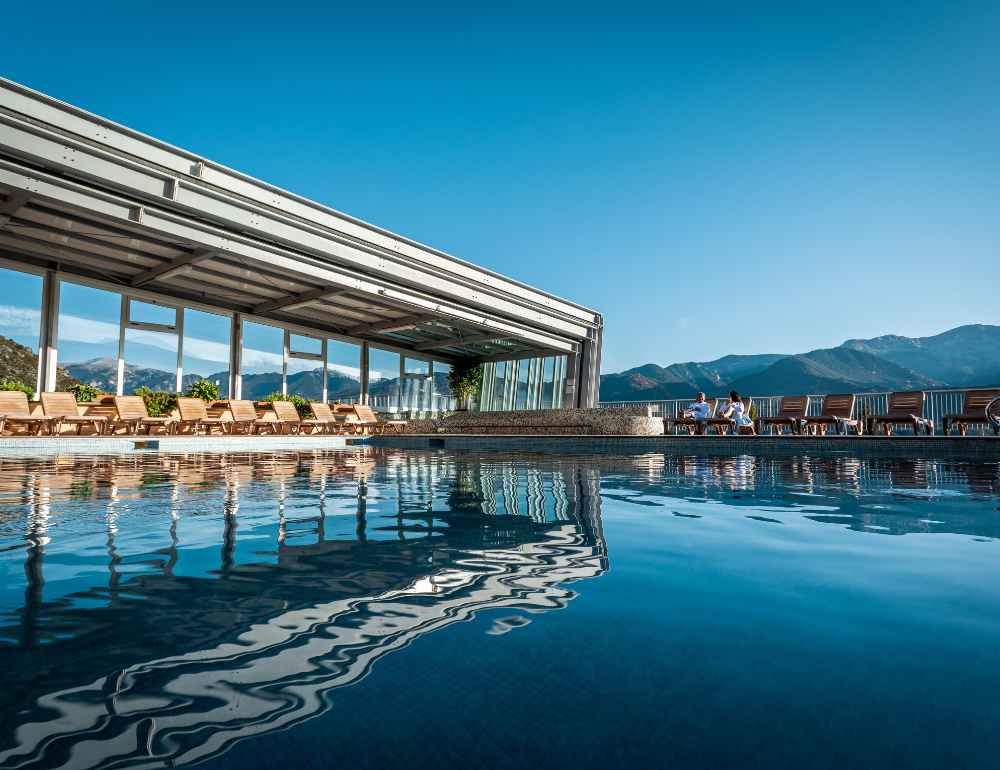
x=428, y=609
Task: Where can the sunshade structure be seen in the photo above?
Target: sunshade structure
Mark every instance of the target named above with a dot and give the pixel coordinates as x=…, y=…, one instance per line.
x=88, y=201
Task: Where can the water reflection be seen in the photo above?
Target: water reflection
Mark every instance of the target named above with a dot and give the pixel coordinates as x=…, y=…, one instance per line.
x=155, y=666
x=195, y=600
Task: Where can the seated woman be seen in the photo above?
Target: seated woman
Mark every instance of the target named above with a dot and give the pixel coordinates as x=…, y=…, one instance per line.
x=733, y=409
x=699, y=409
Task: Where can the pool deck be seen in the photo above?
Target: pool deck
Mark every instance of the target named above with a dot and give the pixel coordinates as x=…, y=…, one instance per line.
x=973, y=448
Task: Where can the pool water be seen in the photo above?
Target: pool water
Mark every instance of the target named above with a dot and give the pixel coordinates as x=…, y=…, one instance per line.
x=375, y=608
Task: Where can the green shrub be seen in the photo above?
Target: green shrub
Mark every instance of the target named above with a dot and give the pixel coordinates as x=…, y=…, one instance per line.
x=15, y=385
x=84, y=392
x=142, y=391
x=752, y=412
x=301, y=404
x=203, y=389
x=160, y=403
x=464, y=381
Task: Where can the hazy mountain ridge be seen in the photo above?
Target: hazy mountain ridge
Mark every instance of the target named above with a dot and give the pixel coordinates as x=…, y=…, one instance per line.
x=967, y=356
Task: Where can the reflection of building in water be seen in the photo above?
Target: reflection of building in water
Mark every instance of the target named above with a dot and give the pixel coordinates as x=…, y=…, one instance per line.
x=174, y=669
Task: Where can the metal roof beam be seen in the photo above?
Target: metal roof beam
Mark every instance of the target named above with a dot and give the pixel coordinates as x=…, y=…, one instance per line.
x=181, y=264
x=298, y=300
x=459, y=341
x=394, y=325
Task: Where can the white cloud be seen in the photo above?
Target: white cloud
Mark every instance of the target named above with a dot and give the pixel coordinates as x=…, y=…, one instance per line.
x=19, y=320
x=682, y=323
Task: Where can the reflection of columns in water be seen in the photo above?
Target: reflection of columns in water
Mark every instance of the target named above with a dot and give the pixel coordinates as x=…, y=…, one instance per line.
x=508, y=483
x=535, y=495
x=488, y=478
x=229, y=507
x=35, y=535
x=281, y=515
x=321, y=521
x=559, y=493
x=362, y=508
x=583, y=494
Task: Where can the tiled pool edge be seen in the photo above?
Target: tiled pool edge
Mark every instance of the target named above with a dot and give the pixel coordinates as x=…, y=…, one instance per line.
x=981, y=448
x=35, y=447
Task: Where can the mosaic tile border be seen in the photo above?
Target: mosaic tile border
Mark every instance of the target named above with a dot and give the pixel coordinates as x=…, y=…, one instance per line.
x=981, y=448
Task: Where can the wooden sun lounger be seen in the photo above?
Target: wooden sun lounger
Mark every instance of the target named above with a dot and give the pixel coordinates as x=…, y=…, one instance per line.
x=791, y=411
x=14, y=410
x=838, y=409
x=690, y=423
x=367, y=422
x=194, y=415
x=246, y=419
x=905, y=408
x=322, y=413
x=973, y=412
x=132, y=416
x=724, y=425
x=61, y=407
x=287, y=414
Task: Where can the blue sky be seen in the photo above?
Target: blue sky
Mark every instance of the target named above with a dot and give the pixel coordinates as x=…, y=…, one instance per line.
x=715, y=180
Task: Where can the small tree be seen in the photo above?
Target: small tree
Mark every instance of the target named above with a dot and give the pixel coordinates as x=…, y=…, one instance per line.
x=301, y=404
x=464, y=381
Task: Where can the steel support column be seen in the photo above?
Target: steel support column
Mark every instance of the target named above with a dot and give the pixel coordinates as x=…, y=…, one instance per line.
x=236, y=357
x=48, y=334
x=364, y=372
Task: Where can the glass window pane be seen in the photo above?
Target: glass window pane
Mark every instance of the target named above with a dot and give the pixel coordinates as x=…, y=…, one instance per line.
x=498, y=385
x=89, y=321
x=548, y=366
x=150, y=361
x=262, y=355
x=383, y=378
x=414, y=366
x=343, y=379
x=144, y=312
x=559, y=382
x=299, y=344
x=442, y=399
x=206, y=349
x=305, y=376
x=20, y=317
x=521, y=396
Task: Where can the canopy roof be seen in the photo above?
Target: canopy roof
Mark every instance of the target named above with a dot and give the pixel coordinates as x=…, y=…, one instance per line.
x=89, y=197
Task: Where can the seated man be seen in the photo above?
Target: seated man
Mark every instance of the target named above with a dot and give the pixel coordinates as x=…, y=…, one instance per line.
x=699, y=409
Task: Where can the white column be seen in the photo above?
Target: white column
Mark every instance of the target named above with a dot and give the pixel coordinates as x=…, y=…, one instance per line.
x=179, y=323
x=121, y=346
x=236, y=357
x=48, y=334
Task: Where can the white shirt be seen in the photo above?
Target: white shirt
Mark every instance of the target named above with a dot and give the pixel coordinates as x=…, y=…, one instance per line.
x=699, y=409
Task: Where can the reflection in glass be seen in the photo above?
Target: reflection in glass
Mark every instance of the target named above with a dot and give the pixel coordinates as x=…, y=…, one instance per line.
x=305, y=375
x=442, y=397
x=88, y=334
x=144, y=312
x=548, y=372
x=206, y=349
x=383, y=378
x=343, y=380
x=20, y=317
x=262, y=360
x=150, y=361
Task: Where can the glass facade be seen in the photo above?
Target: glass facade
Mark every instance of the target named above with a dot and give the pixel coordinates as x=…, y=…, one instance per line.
x=531, y=383
x=118, y=342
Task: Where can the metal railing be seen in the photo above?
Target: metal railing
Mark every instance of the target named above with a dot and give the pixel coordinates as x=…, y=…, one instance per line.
x=392, y=401
x=937, y=404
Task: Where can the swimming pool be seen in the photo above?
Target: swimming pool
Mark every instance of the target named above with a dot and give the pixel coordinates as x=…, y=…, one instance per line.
x=371, y=607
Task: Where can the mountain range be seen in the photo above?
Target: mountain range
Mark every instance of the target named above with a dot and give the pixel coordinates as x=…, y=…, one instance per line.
x=963, y=357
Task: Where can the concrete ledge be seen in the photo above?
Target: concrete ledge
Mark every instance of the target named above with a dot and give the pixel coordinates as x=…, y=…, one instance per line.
x=979, y=448
x=30, y=447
